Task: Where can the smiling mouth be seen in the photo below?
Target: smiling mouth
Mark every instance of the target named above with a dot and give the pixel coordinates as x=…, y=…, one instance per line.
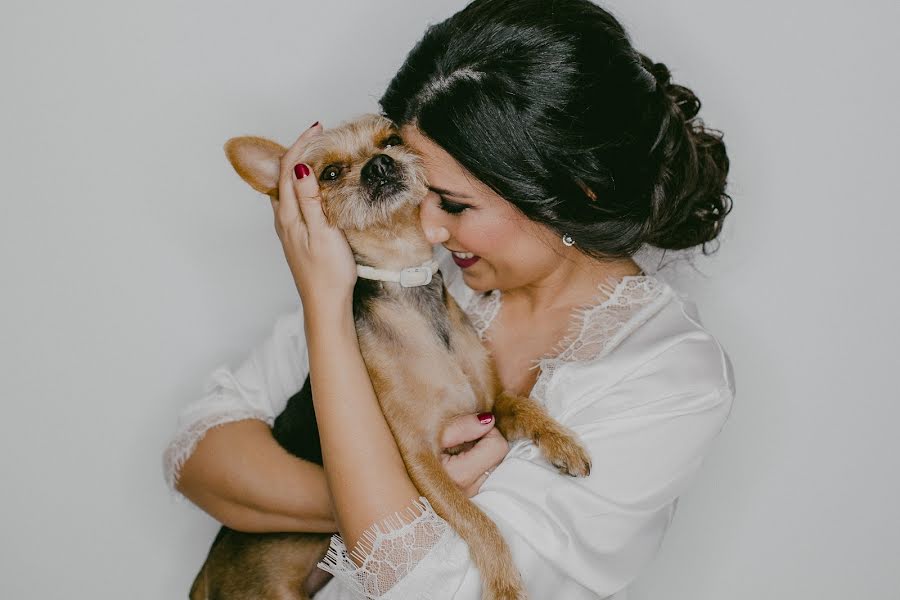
x=464, y=263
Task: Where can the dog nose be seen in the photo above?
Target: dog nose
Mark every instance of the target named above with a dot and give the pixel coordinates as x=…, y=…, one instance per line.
x=379, y=168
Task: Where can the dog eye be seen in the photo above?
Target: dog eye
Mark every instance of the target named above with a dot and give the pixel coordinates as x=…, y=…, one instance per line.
x=331, y=173
x=394, y=140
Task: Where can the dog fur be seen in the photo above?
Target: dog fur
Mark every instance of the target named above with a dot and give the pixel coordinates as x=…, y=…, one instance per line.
x=425, y=360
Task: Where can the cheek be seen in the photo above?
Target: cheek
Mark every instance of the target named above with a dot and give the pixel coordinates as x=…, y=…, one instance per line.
x=490, y=236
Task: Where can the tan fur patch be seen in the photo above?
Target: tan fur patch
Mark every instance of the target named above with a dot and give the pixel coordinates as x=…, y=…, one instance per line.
x=421, y=380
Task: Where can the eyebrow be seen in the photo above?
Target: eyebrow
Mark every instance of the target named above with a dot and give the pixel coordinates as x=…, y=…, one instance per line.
x=444, y=192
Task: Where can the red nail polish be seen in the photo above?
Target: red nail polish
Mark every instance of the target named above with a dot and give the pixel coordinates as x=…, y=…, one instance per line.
x=485, y=417
x=301, y=170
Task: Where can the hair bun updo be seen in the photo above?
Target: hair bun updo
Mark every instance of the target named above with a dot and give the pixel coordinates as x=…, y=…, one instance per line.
x=550, y=105
x=689, y=198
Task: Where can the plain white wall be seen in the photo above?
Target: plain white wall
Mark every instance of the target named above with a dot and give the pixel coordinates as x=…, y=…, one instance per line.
x=134, y=261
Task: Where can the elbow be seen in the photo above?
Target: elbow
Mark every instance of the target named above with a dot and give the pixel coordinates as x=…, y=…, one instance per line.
x=199, y=493
x=234, y=517
x=228, y=513
x=241, y=518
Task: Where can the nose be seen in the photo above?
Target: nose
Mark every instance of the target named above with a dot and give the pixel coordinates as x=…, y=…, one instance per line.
x=437, y=235
x=432, y=224
x=380, y=168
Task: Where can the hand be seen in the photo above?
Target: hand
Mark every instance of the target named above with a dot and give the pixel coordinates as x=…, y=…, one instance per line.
x=318, y=254
x=471, y=450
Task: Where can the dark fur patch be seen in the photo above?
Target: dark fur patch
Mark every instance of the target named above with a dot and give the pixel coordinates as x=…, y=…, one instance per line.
x=429, y=300
x=296, y=428
x=365, y=292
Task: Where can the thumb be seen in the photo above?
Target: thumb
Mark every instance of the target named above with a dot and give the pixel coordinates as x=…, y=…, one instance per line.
x=466, y=428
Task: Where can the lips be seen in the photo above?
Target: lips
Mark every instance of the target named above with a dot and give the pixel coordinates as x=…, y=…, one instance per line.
x=469, y=260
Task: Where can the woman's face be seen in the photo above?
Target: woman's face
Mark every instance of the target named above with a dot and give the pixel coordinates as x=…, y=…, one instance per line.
x=465, y=215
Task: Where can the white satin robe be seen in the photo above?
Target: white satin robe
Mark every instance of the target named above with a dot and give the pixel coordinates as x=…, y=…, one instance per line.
x=641, y=382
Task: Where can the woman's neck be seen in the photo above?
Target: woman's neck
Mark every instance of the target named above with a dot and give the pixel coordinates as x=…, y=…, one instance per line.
x=572, y=283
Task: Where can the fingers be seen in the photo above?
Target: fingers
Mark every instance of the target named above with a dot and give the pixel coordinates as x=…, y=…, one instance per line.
x=468, y=470
x=288, y=207
x=465, y=428
x=488, y=452
x=293, y=153
x=307, y=189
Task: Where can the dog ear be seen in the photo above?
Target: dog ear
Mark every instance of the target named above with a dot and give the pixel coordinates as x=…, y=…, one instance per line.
x=258, y=162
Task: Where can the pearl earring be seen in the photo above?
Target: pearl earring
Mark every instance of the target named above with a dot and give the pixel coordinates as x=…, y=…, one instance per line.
x=567, y=240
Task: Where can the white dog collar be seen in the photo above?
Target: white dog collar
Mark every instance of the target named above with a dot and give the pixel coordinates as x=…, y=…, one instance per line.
x=409, y=277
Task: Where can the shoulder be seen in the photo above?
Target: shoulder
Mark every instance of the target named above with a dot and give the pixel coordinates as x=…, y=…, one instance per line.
x=667, y=352
x=687, y=371
x=678, y=343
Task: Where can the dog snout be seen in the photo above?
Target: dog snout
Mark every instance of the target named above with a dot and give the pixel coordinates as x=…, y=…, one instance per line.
x=381, y=168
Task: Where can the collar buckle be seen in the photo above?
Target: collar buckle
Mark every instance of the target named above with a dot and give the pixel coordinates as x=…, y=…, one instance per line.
x=415, y=276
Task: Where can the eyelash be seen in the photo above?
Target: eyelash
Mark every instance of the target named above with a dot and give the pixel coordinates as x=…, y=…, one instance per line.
x=452, y=207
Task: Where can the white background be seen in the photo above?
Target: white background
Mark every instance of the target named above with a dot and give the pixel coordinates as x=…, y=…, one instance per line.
x=134, y=261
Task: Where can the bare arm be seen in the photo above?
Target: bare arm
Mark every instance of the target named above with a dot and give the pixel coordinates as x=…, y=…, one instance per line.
x=244, y=479
x=362, y=462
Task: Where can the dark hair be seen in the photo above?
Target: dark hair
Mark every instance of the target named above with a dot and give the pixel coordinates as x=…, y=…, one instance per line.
x=538, y=98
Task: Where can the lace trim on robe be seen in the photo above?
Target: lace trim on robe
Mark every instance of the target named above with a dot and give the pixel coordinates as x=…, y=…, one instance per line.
x=389, y=550
x=598, y=327
x=187, y=438
x=482, y=309
x=186, y=441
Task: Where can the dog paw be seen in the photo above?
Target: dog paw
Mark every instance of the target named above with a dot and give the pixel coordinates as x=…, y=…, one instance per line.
x=505, y=592
x=566, y=454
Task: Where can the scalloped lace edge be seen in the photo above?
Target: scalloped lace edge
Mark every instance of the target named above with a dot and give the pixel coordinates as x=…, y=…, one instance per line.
x=388, y=550
x=185, y=442
x=595, y=327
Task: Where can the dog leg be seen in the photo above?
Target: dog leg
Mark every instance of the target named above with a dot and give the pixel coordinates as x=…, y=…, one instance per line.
x=519, y=417
x=488, y=549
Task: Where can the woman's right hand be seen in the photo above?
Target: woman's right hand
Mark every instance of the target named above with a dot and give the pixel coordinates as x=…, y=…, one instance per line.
x=473, y=448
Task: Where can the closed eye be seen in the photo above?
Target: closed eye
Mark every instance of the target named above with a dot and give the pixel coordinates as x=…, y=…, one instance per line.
x=453, y=208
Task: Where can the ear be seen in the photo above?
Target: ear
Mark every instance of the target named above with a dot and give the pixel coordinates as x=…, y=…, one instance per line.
x=258, y=162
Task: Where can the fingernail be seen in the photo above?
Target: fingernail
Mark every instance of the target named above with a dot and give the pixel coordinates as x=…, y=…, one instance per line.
x=429, y=233
x=485, y=417
x=314, y=124
x=301, y=170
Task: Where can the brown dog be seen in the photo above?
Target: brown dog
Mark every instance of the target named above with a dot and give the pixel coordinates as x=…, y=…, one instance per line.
x=424, y=358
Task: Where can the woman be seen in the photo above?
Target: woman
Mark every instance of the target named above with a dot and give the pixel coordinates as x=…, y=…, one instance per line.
x=554, y=151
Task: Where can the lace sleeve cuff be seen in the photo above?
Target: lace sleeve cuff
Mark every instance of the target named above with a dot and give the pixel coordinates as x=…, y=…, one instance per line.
x=184, y=443
x=389, y=551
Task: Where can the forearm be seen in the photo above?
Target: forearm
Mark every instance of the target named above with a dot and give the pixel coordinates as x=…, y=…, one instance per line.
x=363, y=466
x=243, y=478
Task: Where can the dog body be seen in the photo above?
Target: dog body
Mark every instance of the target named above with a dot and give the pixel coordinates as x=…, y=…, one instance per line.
x=425, y=360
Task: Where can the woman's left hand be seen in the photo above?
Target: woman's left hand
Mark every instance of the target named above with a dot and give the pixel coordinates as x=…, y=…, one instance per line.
x=477, y=446
x=318, y=254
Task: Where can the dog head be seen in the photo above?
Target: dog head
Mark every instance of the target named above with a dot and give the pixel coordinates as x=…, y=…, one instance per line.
x=370, y=183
